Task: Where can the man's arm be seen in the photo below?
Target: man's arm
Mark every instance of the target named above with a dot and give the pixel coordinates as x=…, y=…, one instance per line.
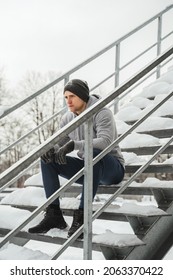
x=105, y=131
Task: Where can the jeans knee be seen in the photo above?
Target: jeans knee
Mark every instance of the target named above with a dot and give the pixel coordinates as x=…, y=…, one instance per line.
x=96, y=152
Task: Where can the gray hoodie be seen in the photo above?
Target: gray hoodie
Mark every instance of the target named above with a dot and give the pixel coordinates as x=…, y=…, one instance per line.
x=104, y=131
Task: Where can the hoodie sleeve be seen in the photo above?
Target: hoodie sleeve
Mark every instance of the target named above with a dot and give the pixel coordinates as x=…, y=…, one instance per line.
x=104, y=131
x=66, y=138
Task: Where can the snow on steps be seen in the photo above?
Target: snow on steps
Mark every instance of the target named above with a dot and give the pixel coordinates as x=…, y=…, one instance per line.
x=148, y=183
x=114, y=212
x=160, y=133
x=155, y=126
x=148, y=150
x=153, y=168
x=112, y=239
x=117, y=212
x=15, y=252
x=122, y=242
x=13, y=217
x=160, y=87
x=133, y=163
x=149, y=126
x=108, y=239
x=42, y=251
x=34, y=196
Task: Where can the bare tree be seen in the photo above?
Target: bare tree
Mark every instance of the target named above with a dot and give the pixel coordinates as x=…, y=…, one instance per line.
x=29, y=116
x=45, y=105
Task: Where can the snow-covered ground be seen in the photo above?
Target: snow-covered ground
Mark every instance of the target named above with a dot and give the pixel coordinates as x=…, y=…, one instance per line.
x=133, y=110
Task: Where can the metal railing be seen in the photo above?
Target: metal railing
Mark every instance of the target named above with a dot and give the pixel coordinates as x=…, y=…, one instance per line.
x=116, y=74
x=84, y=117
x=18, y=169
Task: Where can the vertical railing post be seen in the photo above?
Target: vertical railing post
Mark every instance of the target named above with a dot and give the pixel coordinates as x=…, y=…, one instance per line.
x=88, y=190
x=117, y=73
x=117, y=64
x=159, y=40
x=66, y=79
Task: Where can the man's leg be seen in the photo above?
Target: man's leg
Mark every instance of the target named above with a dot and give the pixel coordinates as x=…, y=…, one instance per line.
x=113, y=171
x=107, y=171
x=51, y=172
x=53, y=216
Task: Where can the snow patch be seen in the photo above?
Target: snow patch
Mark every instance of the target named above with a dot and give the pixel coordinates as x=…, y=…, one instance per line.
x=15, y=252
x=155, y=123
x=26, y=196
x=117, y=240
x=138, y=101
x=122, y=126
x=132, y=158
x=139, y=140
x=167, y=77
x=129, y=113
x=159, y=87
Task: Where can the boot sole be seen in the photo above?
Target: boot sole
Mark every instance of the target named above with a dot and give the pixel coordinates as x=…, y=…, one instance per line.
x=45, y=231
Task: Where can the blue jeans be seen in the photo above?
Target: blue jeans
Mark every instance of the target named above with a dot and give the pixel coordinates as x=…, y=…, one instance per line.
x=107, y=171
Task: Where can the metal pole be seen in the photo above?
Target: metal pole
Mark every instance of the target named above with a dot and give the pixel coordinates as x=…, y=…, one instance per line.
x=66, y=79
x=88, y=190
x=117, y=74
x=24, y=162
x=159, y=40
x=117, y=64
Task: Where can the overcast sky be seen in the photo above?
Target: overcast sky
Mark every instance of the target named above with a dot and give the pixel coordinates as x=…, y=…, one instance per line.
x=55, y=35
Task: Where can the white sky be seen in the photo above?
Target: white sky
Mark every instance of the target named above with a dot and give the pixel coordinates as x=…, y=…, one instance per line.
x=58, y=34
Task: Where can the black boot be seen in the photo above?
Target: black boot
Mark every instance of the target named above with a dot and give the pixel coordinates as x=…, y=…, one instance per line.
x=78, y=220
x=53, y=218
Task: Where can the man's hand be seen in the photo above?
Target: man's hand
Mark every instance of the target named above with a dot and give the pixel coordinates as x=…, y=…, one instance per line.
x=48, y=156
x=60, y=155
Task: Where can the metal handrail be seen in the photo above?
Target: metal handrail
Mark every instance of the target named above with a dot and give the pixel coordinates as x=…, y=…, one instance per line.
x=46, y=145
x=142, y=80
x=63, y=110
x=111, y=199
x=80, y=173
x=25, y=162
x=5, y=176
x=66, y=75
x=19, y=175
x=33, y=130
x=138, y=56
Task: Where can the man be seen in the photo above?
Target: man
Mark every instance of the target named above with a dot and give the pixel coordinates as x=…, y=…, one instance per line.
x=109, y=170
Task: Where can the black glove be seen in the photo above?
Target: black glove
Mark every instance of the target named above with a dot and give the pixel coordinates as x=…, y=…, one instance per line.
x=48, y=156
x=60, y=155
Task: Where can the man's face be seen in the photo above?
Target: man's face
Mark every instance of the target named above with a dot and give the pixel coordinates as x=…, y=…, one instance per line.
x=74, y=103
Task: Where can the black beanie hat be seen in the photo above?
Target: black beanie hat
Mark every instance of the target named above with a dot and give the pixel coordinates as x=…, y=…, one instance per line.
x=79, y=88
